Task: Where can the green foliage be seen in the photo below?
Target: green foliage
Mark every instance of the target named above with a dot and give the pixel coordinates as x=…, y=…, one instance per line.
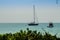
x=28, y=35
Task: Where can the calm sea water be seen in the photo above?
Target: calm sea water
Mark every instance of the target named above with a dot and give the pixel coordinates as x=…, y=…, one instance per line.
x=16, y=27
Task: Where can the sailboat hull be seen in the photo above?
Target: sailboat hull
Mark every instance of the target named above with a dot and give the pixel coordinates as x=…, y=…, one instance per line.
x=32, y=24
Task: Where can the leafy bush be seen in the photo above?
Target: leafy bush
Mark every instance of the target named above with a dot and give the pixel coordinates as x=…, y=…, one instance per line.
x=28, y=35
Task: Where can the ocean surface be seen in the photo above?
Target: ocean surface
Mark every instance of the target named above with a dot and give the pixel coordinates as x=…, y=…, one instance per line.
x=16, y=27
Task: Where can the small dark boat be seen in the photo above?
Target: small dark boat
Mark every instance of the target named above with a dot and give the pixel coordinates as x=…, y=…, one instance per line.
x=33, y=23
x=50, y=25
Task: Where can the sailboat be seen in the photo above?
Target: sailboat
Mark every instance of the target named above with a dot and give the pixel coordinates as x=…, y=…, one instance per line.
x=33, y=23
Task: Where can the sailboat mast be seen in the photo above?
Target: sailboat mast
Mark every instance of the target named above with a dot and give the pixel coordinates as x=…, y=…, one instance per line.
x=34, y=12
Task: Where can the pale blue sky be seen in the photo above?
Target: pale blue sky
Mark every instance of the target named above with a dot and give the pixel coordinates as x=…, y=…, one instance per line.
x=27, y=2
x=22, y=10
